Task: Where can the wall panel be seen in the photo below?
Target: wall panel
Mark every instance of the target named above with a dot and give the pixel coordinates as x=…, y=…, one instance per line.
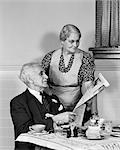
x=10, y=86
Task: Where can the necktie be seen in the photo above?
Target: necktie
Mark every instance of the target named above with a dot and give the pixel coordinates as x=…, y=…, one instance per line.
x=44, y=101
x=41, y=93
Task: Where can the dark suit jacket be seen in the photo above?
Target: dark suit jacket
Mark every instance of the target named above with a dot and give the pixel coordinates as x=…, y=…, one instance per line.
x=26, y=110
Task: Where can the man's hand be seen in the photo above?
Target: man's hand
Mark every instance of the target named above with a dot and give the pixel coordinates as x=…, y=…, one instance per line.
x=64, y=117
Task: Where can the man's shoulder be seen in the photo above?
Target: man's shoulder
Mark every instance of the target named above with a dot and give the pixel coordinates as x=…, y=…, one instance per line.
x=19, y=98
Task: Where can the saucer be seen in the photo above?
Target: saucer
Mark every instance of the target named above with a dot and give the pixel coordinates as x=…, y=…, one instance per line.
x=116, y=129
x=37, y=133
x=115, y=134
x=100, y=138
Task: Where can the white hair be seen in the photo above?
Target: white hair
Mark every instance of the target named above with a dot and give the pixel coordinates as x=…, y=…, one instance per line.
x=28, y=70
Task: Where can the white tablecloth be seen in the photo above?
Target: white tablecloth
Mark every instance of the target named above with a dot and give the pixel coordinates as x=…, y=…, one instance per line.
x=59, y=142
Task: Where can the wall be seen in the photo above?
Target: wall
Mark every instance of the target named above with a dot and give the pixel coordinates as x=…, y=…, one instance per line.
x=28, y=30
x=10, y=86
x=31, y=28
x=109, y=99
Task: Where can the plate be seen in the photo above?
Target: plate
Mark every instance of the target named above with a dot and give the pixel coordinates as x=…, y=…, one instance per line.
x=38, y=133
x=115, y=134
x=116, y=129
x=101, y=138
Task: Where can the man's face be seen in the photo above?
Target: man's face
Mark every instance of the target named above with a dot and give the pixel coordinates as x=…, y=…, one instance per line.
x=39, y=78
x=71, y=43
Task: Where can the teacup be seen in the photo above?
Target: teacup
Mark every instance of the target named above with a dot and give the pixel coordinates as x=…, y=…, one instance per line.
x=37, y=127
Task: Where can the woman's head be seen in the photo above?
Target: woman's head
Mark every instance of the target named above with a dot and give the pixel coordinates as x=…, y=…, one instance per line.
x=67, y=30
x=70, y=38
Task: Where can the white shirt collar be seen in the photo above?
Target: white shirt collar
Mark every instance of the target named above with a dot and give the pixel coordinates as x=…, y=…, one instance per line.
x=36, y=94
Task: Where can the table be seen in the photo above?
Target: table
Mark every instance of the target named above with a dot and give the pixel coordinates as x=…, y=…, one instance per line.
x=59, y=142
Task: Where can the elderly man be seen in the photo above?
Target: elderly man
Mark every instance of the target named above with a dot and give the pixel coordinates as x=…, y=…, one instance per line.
x=34, y=106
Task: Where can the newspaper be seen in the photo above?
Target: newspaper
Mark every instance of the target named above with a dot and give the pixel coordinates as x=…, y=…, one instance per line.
x=100, y=84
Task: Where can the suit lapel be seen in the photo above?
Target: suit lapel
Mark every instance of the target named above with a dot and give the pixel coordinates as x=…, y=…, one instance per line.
x=45, y=101
x=44, y=107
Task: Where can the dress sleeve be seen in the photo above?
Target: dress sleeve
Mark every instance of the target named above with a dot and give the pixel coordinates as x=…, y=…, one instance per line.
x=46, y=61
x=87, y=68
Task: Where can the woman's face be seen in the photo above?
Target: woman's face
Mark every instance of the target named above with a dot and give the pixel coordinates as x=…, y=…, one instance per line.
x=71, y=43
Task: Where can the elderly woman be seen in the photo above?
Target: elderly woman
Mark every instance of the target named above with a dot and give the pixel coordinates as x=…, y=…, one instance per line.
x=70, y=70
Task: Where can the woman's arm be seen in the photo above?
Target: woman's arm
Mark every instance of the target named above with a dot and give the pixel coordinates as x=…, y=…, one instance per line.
x=46, y=62
x=92, y=103
x=88, y=69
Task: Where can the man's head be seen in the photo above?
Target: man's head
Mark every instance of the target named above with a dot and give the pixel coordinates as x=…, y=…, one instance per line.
x=34, y=76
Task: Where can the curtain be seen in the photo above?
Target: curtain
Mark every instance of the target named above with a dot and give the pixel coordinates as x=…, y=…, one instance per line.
x=107, y=23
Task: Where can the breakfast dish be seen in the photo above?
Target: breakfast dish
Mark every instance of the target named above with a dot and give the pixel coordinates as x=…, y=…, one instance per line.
x=116, y=129
x=38, y=133
x=98, y=128
x=115, y=134
x=93, y=132
x=37, y=127
x=94, y=128
x=97, y=138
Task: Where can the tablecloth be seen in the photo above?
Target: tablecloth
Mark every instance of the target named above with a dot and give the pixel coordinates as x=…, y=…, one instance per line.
x=59, y=142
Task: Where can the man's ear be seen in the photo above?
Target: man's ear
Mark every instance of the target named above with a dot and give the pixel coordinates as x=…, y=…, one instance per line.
x=29, y=79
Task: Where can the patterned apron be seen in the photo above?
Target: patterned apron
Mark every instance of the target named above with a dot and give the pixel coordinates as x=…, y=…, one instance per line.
x=65, y=85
